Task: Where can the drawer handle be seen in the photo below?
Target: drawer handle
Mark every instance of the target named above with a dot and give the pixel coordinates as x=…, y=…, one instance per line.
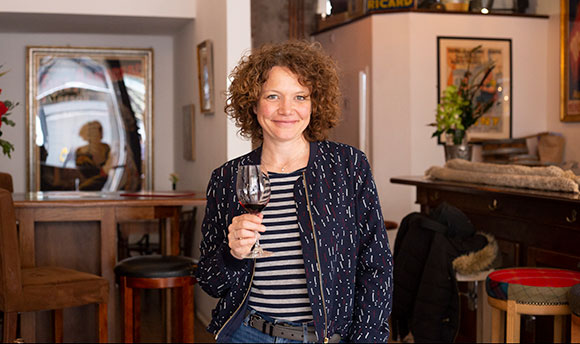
x=494, y=205
x=434, y=196
x=571, y=219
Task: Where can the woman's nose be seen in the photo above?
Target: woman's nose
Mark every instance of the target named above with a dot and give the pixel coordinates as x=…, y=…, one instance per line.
x=285, y=106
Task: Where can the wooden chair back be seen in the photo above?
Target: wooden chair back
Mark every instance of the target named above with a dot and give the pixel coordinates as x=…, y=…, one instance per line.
x=10, y=270
x=6, y=182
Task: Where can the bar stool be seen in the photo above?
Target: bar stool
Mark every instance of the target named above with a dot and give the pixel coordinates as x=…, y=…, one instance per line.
x=574, y=301
x=528, y=290
x=156, y=272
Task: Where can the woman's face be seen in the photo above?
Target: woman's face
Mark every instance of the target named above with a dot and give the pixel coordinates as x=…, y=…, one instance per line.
x=284, y=106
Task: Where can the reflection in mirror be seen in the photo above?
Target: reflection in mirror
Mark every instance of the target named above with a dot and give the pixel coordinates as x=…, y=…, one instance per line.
x=89, y=119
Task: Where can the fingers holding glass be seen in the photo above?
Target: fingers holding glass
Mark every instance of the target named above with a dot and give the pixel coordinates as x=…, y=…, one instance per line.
x=244, y=231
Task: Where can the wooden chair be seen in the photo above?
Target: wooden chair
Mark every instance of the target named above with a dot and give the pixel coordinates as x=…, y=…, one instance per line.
x=32, y=289
x=528, y=290
x=156, y=272
x=146, y=246
x=390, y=225
x=6, y=182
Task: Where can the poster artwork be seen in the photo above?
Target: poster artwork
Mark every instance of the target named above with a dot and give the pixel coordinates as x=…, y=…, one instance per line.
x=457, y=65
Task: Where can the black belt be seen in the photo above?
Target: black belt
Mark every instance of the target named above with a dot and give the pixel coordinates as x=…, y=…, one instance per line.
x=286, y=331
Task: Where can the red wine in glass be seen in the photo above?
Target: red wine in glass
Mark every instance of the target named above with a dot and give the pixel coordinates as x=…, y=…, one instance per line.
x=253, y=208
x=253, y=191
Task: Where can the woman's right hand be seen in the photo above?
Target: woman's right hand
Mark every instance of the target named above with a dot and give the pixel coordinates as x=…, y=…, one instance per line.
x=243, y=232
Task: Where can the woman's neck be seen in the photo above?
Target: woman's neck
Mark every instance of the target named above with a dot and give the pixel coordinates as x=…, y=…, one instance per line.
x=285, y=157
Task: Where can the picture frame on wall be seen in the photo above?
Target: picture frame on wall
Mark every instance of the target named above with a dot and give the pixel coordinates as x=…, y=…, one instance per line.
x=452, y=64
x=90, y=119
x=189, y=132
x=569, y=61
x=205, y=76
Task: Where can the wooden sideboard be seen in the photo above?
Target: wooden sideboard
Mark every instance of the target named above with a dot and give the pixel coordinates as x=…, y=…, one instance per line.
x=533, y=228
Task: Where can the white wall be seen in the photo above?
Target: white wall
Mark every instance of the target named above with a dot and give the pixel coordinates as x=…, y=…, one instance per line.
x=227, y=24
x=239, y=43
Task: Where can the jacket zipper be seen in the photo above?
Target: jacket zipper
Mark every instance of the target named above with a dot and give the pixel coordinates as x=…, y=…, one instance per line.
x=317, y=258
x=243, y=301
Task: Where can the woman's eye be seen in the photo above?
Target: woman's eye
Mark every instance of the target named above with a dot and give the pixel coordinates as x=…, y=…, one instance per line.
x=272, y=96
x=301, y=97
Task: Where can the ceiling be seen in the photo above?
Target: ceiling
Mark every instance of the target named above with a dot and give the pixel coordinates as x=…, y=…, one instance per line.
x=67, y=23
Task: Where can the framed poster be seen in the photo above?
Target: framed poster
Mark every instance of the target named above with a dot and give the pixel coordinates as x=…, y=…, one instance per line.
x=453, y=64
x=205, y=75
x=570, y=61
x=90, y=115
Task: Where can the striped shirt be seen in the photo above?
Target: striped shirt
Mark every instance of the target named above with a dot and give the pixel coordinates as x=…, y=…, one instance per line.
x=279, y=285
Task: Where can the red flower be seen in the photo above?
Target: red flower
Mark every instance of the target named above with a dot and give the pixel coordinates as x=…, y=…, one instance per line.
x=3, y=110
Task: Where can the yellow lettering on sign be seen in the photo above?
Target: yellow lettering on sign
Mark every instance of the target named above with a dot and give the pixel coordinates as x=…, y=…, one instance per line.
x=385, y=4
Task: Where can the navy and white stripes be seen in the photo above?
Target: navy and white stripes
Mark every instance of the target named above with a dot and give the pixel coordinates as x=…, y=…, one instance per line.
x=279, y=285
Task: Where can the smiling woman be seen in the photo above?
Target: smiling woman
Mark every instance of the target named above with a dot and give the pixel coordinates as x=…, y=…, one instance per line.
x=322, y=223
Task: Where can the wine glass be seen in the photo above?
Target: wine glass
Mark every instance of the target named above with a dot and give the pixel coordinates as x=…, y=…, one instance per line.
x=253, y=191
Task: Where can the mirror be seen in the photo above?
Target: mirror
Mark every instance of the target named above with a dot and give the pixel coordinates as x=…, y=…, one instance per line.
x=89, y=119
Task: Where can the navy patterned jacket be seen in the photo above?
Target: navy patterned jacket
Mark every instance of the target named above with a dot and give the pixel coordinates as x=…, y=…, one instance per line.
x=347, y=258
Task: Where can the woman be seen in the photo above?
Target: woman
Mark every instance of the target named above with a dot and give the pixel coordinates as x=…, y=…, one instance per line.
x=330, y=276
x=93, y=159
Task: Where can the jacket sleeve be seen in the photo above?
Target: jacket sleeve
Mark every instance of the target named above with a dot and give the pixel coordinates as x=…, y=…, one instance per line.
x=373, y=292
x=218, y=270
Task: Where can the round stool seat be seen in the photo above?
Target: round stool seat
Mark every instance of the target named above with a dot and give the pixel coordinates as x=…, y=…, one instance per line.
x=574, y=299
x=155, y=266
x=532, y=285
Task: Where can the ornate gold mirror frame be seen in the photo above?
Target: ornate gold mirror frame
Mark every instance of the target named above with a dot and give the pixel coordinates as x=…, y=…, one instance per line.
x=569, y=61
x=89, y=119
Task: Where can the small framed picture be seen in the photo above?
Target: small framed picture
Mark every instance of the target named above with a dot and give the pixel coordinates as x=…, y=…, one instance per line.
x=205, y=75
x=189, y=132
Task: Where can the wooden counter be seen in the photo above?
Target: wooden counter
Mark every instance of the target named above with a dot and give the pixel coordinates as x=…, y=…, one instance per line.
x=79, y=231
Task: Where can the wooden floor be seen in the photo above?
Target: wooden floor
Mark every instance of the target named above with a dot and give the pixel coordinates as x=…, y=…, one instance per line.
x=152, y=329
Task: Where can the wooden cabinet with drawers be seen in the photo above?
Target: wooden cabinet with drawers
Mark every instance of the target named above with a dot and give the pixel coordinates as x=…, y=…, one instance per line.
x=533, y=228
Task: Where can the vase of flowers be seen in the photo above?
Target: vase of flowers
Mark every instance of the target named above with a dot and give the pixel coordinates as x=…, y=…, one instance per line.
x=6, y=106
x=461, y=106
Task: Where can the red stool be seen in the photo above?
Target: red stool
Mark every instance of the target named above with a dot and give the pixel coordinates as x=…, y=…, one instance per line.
x=537, y=291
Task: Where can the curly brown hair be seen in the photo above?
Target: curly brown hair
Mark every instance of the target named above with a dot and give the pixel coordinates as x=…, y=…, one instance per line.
x=315, y=69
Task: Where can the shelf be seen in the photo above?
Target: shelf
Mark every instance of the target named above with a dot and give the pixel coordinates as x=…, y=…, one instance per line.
x=340, y=19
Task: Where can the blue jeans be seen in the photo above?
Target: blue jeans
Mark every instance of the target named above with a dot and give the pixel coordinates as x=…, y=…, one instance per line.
x=248, y=334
